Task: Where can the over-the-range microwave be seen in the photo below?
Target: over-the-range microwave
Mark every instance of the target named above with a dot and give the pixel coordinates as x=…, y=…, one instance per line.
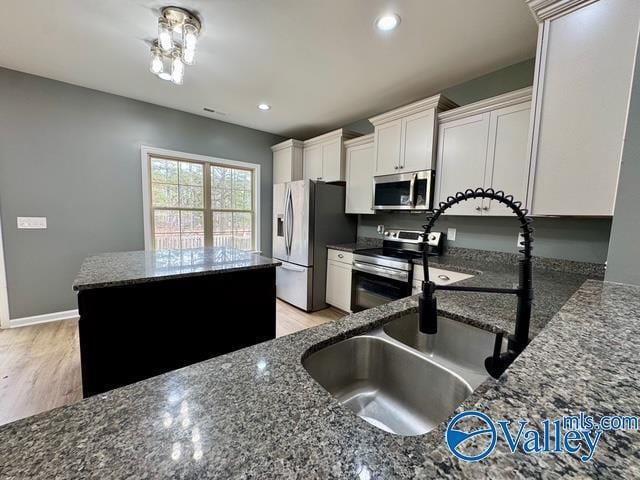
x=404, y=191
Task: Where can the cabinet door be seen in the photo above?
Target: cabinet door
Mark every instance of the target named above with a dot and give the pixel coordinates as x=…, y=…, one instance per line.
x=282, y=166
x=508, y=159
x=312, y=162
x=584, y=95
x=417, y=141
x=462, y=154
x=332, y=165
x=339, y=285
x=388, y=138
x=359, y=194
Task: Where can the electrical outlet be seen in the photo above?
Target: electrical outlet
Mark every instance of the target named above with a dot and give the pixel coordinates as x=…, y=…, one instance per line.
x=451, y=234
x=380, y=229
x=32, y=222
x=520, y=240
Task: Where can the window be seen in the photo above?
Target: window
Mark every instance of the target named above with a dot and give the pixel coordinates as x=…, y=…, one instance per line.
x=197, y=203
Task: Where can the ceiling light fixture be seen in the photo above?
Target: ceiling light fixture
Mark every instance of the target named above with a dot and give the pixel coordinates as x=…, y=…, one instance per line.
x=388, y=22
x=168, y=56
x=264, y=107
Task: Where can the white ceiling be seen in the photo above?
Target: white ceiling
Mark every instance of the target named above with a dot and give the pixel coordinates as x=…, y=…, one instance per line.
x=320, y=63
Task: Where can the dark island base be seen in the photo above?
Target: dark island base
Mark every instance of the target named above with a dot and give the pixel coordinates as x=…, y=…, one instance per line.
x=133, y=332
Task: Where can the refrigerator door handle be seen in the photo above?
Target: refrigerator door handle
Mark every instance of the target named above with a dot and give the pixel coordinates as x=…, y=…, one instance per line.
x=290, y=220
x=286, y=220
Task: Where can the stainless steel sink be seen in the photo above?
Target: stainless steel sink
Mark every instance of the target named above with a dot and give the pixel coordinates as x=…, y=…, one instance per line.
x=400, y=381
x=388, y=385
x=458, y=346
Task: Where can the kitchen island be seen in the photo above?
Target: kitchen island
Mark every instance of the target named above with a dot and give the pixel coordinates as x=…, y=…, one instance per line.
x=144, y=313
x=256, y=413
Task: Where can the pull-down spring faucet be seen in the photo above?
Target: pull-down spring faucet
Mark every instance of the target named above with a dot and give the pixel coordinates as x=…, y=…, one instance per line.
x=428, y=307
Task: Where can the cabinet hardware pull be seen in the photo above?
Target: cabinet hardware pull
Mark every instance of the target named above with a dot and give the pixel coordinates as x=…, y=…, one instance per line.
x=478, y=208
x=396, y=167
x=485, y=208
x=340, y=255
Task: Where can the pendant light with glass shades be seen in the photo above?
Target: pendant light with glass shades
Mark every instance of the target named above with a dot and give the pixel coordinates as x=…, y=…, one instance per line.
x=168, y=55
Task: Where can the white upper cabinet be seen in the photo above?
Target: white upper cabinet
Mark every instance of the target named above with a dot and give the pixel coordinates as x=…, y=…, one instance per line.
x=313, y=162
x=462, y=147
x=508, y=159
x=360, y=166
x=287, y=161
x=404, y=138
x=484, y=144
x=323, y=156
x=418, y=141
x=387, y=147
x=585, y=61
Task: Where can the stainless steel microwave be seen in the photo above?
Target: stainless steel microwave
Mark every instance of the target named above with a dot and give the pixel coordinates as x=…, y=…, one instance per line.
x=404, y=191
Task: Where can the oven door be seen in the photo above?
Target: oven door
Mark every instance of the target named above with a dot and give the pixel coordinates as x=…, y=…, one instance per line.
x=373, y=285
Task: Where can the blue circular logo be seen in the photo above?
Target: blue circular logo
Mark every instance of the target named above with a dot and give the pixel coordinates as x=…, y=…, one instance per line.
x=466, y=426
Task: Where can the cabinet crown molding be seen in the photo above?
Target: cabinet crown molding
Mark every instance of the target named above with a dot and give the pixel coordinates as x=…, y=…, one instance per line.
x=545, y=9
x=439, y=102
x=363, y=140
x=505, y=100
x=287, y=144
x=340, y=133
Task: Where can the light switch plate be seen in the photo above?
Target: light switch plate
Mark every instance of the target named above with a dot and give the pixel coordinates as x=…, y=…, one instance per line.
x=520, y=240
x=32, y=222
x=451, y=234
x=380, y=229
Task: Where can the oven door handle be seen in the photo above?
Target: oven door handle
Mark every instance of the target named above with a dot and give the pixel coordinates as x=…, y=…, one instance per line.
x=381, y=271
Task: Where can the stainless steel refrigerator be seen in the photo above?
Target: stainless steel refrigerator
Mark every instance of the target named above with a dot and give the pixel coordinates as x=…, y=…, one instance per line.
x=307, y=216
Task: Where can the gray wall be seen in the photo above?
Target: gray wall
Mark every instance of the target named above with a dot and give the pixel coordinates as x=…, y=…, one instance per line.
x=513, y=77
x=566, y=238
x=73, y=155
x=623, y=264
x=583, y=240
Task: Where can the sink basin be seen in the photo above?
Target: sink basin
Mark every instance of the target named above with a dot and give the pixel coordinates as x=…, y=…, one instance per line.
x=461, y=347
x=388, y=384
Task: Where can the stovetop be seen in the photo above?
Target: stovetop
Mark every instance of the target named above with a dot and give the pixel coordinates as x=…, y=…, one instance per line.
x=393, y=253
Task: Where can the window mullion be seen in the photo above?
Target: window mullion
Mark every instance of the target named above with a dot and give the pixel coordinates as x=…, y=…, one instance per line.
x=208, y=216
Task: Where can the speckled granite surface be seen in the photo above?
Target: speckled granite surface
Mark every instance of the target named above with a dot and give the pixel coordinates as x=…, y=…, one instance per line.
x=551, y=290
x=592, y=270
x=360, y=243
x=124, y=268
x=256, y=413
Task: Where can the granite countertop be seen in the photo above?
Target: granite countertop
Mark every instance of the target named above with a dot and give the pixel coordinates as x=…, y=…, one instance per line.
x=126, y=268
x=257, y=413
x=551, y=288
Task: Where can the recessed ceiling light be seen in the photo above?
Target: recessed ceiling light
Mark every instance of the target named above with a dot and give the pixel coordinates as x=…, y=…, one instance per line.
x=264, y=106
x=387, y=22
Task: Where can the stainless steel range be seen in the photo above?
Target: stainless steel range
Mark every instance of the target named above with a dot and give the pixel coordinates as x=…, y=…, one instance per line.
x=381, y=275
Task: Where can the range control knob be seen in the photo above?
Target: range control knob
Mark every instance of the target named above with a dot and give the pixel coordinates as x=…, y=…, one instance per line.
x=386, y=234
x=395, y=234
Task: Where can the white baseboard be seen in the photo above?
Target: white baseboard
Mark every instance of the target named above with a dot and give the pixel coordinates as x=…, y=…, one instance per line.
x=47, y=317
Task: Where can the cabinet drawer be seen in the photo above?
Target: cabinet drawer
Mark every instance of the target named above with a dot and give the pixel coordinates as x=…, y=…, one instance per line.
x=340, y=256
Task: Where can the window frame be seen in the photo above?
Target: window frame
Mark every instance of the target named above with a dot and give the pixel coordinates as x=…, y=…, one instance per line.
x=151, y=152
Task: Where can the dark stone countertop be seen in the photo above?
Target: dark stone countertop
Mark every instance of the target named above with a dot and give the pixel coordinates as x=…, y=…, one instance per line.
x=126, y=268
x=551, y=288
x=256, y=413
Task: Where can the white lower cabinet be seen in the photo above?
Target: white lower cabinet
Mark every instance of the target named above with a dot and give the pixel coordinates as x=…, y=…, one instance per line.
x=339, y=279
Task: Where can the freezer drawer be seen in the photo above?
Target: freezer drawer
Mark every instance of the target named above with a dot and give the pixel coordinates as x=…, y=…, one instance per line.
x=294, y=285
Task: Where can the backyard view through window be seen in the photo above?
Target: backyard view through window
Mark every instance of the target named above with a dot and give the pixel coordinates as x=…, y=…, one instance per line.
x=198, y=204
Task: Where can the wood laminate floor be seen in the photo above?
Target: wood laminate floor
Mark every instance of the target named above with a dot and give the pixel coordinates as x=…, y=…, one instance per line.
x=40, y=364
